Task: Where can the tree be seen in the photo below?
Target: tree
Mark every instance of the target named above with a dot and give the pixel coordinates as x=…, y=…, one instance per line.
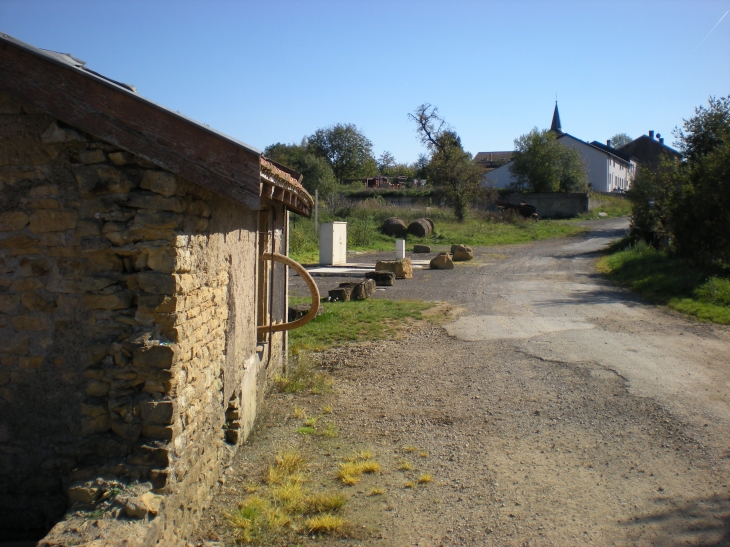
x=347, y=150
x=707, y=130
x=620, y=139
x=450, y=166
x=542, y=164
x=317, y=173
x=385, y=161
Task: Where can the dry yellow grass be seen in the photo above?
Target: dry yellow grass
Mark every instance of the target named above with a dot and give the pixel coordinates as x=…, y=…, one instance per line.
x=424, y=479
x=322, y=524
x=404, y=465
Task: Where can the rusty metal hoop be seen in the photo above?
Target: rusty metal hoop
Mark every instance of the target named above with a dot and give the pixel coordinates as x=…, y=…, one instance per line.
x=311, y=314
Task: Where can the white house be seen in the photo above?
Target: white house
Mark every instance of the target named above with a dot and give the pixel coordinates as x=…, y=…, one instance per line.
x=608, y=169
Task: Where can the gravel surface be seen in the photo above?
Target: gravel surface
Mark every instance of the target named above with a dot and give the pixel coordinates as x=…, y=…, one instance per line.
x=556, y=410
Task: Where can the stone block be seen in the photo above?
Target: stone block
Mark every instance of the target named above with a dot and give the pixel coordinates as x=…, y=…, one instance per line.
x=57, y=135
x=121, y=158
x=150, y=456
x=30, y=363
x=155, y=201
x=158, y=477
x=157, y=283
x=18, y=242
x=31, y=322
x=421, y=249
x=157, y=412
x=382, y=279
x=94, y=180
x=153, y=356
x=157, y=220
x=341, y=294
x=8, y=302
x=161, y=259
x=96, y=424
x=13, y=220
x=117, y=301
x=88, y=157
x=98, y=388
x=42, y=203
x=442, y=262
x=47, y=220
x=160, y=182
x=44, y=190
x=27, y=284
x=84, y=493
x=160, y=432
x=34, y=267
x=462, y=253
x=131, y=432
x=35, y=302
x=401, y=268
x=16, y=344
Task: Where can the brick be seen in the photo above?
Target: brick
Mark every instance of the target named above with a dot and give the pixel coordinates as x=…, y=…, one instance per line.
x=157, y=412
x=31, y=322
x=13, y=220
x=160, y=182
x=52, y=221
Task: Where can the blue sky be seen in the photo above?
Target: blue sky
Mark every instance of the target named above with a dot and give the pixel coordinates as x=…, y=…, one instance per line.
x=275, y=71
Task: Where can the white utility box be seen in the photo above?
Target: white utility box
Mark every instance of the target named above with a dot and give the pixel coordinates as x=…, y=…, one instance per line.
x=400, y=249
x=333, y=243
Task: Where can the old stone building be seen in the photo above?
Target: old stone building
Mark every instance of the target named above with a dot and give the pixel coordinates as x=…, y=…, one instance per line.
x=132, y=289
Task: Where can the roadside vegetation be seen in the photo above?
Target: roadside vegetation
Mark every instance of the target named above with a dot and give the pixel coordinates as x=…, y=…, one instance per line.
x=346, y=322
x=365, y=218
x=612, y=206
x=678, y=250
x=669, y=280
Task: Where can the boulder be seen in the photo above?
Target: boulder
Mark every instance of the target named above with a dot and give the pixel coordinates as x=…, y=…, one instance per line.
x=442, y=262
x=420, y=228
x=401, y=268
x=340, y=294
x=394, y=227
x=382, y=279
x=421, y=249
x=362, y=290
x=462, y=253
x=300, y=310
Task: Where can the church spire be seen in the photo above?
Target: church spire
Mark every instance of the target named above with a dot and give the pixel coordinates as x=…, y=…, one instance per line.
x=556, y=120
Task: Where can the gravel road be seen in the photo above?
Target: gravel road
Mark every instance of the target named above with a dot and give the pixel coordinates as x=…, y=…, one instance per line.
x=555, y=410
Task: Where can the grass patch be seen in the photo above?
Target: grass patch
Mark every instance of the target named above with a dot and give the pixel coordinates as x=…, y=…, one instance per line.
x=668, y=280
x=404, y=465
x=424, y=479
x=303, y=376
x=479, y=228
x=286, y=507
x=613, y=206
x=345, y=322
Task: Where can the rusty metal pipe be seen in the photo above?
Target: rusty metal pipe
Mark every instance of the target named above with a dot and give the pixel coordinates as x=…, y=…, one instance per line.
x=312, y=313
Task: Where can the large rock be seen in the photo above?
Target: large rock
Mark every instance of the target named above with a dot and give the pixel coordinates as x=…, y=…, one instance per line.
x=401, y=268
x=382, y=279
x=394, y=227
x=359, y=291
x=442, y=262
x=462, y=253
x=421, y=249
x=421, y=227
x=340, y=294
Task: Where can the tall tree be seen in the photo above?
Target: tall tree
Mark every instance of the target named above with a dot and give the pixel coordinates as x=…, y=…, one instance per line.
x=348, y=151
x=620, y=139
x=317, y=173
x=708, y=129
x=450, y=166
x=542, y=164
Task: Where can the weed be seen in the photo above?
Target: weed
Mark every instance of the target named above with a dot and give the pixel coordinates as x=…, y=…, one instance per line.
x=303, y=377
x=410, y=449
x=311, y=422
x=377, y=491
x=306, y=430
x=323, y=503
x=330, y=430
x=409, y=484
x=300, y=413
x=251, y=488
x=360, y=455
x=327, y=409
x=424, y=454
x=350, y=471
x=424, y=479
x=404, y=465
x=323, y=524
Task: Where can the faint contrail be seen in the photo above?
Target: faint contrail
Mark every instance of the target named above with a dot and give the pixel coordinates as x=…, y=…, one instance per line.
x=708, y=34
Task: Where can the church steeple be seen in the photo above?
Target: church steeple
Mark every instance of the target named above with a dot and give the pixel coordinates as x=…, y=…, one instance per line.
x=556, y=120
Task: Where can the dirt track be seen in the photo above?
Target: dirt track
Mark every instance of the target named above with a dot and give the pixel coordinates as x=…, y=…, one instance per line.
x=556, y=410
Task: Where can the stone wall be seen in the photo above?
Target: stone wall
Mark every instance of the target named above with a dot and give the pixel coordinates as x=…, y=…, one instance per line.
x=128, y=350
